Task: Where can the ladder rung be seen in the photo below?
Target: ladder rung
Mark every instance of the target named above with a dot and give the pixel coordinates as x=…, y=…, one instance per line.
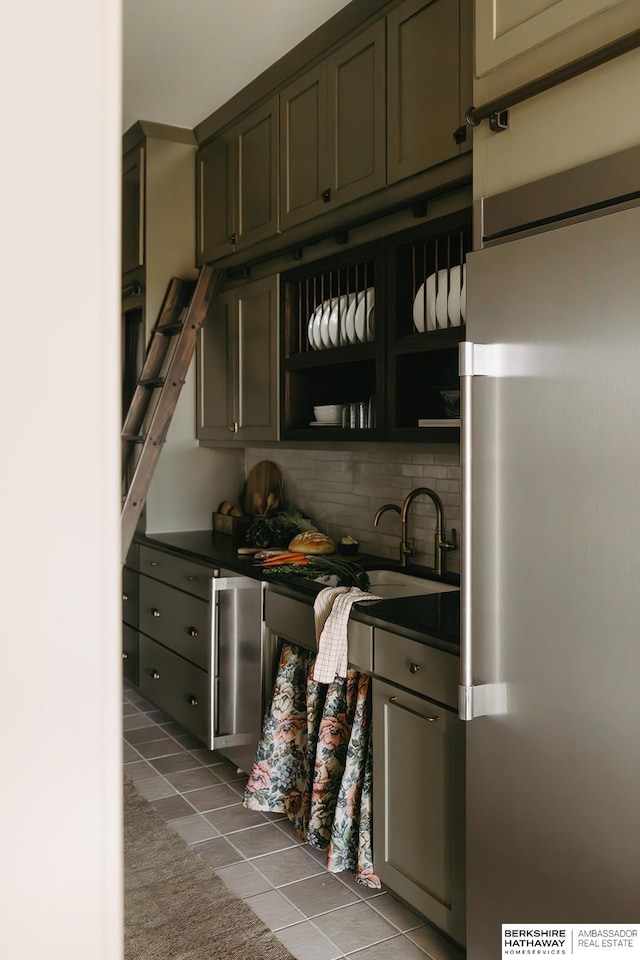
x=133, y=438
x=169, y=329
x=152, y=382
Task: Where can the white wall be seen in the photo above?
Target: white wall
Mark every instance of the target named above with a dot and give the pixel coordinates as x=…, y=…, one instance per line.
x=59, y=514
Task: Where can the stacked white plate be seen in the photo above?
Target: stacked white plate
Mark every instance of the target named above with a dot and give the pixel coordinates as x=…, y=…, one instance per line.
x=441, y=300
x=342, y=320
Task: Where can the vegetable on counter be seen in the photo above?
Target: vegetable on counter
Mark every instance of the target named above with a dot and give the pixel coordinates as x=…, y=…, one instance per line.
x=278, y=530
x=348, y=572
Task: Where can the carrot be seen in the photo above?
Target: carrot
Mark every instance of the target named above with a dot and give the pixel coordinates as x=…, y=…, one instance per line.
x=285, y=559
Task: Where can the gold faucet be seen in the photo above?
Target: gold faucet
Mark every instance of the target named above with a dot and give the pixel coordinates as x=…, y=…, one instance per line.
x=406, y=548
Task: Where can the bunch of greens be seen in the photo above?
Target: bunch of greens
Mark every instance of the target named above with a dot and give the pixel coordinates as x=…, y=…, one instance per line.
x=349, y=573
x=278, y=530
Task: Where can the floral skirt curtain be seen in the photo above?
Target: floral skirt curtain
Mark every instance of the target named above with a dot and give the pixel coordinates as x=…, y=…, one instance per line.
x=314, y=764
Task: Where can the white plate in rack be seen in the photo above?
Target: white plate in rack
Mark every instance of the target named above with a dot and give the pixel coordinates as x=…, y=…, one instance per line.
x=423, y=310
x=454, y=302
x=311, y=330
x=366, y=302
x=350, y=319
x=324, y=324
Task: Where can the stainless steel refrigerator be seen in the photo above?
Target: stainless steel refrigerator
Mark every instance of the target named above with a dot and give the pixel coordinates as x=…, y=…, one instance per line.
x=550, y=650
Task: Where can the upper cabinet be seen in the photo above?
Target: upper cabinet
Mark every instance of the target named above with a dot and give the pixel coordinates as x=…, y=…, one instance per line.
x=133, y=209
x=237, y=396
x=359, y=128
x=332, y=130
x=505, y=30
x=423, y=85
x=237, y=185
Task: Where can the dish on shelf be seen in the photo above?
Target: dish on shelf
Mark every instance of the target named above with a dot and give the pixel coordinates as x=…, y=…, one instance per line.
x=311, y=329
x=454, y=302
x=324, y=324
x=350, y=319
x=337, y=314
x=463, y=295
x=325, y=423
x=442, y=295
x=366, y=301
x=423, y=308
x=371, y=322
x=317, y=317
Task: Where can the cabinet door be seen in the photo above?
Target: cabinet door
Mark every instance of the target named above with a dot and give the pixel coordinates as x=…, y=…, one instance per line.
x=505, y=30
x=216, y=372
x=303, y=148
x=423, y=85
x=418, y=796
x=133, y=210
x=357, y=116
x=215, y=200
x=256, y=160
x=256, y=330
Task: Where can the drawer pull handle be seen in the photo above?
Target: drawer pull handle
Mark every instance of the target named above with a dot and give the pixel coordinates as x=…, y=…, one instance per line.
x=125, y=655
x=414, y=668
x=155, y=611
x=191, y=578
x=192, y=632
x=155, y=675
x=125, y=596
x=155, y=563
x=421, y=716
x=193, y=701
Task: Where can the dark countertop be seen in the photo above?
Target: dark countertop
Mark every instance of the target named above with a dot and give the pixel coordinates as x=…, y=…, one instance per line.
x=431, y=618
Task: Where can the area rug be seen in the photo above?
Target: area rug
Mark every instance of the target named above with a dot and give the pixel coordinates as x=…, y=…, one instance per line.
x=176, y=908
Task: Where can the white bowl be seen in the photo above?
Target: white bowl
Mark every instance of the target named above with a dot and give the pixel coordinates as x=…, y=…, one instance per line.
x=330, y=413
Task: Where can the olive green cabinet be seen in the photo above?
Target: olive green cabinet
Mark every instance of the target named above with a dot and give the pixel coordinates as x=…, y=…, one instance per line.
x=418, y=795
x=237, y=185
x=423, y=85
x=237, y=365
x=332, y=130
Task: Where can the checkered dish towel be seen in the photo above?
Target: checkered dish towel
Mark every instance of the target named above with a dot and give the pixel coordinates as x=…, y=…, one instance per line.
x=331, y=611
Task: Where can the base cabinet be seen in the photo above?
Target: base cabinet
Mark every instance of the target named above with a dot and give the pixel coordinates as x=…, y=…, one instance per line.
x=204, y=656
x=418, y=784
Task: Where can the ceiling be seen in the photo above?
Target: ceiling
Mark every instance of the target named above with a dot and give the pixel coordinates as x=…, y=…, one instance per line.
x=182, y=59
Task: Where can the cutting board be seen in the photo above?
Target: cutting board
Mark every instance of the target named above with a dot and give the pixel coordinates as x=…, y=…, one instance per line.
x=264, y=479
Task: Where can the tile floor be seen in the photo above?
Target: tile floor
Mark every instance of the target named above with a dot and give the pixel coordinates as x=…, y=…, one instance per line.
x=316, y=915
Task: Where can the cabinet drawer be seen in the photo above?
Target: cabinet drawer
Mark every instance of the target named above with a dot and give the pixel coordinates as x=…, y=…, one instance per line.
x=179, y=688
x=130, y=597
x=416, y=666
x=179, y=572
x=176, y=619
x=130, y=654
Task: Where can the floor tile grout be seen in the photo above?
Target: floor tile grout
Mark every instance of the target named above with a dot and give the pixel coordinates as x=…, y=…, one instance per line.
x=134, y=700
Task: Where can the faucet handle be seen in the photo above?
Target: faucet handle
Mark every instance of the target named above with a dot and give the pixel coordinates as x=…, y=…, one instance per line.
x=451, y=544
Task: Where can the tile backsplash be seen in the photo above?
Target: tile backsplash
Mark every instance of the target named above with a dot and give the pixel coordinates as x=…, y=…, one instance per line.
x=342, y=489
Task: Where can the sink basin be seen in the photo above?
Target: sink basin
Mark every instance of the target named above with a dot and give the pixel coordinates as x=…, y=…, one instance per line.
x=395, y=583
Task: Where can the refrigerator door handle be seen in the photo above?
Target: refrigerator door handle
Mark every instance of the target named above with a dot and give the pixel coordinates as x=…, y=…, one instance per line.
x=474, y=699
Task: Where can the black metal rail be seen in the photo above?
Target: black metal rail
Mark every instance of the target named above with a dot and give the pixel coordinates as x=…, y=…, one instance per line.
x=494, y=110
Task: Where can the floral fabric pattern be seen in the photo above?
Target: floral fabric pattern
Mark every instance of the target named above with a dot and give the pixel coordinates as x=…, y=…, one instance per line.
x=313, y=762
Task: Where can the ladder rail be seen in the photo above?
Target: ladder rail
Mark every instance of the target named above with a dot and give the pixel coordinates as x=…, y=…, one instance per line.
x=166, y=396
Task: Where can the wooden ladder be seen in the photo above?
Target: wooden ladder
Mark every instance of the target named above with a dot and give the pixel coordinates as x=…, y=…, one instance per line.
x=171, y=347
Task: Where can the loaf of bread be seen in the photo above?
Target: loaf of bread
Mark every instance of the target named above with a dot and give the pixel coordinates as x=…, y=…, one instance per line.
x=312, y=542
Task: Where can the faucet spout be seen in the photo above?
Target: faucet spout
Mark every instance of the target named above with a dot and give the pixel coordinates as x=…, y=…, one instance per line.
x=439, y=545
x=378, y=514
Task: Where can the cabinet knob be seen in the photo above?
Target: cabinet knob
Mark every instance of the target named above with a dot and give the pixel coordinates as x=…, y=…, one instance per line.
x=125, y=655
x=233, y=238
x=326, y=195
x=192, y=632
x=155, y=675
x=193, y=701
x=414, y=668
x=155, y=563
x=125, y=596
x=233, y=426
x=155, y=612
